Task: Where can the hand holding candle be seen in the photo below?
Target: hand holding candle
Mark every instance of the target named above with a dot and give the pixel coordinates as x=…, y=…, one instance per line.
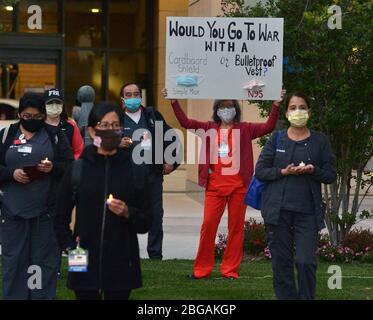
x=45, y=161
x=126, y=142
x=45, y=165
x=303, y=168
x=110, y=198
x=117, y=206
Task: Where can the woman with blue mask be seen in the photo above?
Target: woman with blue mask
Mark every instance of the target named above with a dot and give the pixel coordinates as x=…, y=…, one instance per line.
x=225, y=170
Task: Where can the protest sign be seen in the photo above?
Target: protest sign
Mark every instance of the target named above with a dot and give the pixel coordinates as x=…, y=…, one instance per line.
x=224, y=58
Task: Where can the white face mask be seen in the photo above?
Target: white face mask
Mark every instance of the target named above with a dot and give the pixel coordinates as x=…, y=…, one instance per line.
x=54, y=109
x=226, y=114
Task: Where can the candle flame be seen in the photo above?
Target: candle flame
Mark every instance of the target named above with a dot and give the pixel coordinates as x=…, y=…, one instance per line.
x=110, y=198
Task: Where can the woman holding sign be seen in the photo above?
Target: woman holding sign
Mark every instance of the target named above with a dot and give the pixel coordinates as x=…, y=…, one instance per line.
x=225, y=170
x=292, y=205
x=110, y=212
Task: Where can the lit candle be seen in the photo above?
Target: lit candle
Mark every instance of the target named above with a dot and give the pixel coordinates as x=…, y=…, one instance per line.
x=110, y=198
x=302, y=164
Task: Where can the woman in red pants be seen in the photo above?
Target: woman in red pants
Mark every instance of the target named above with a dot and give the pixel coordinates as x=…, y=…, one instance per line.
x=225, y=170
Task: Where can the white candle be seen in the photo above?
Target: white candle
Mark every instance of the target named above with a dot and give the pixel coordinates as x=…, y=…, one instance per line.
x=45, y=161
x=110, y=198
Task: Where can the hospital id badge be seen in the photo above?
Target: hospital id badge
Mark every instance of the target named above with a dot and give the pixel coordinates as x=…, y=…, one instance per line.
x=223, y=150
x=24, y=149
x=78, y=260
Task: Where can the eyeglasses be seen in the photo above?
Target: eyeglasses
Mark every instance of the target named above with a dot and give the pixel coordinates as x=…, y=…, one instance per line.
x=28, y=116
x=135, y=94
x=107, y=125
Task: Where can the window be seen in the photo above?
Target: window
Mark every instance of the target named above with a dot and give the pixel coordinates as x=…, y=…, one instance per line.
x=84, y=23
x=82, y=67
x=6, y=13
x=128, y=24
x=123, y=68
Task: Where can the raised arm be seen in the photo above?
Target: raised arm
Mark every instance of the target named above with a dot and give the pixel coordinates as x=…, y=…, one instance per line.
x=184, y=121
x=261, y=129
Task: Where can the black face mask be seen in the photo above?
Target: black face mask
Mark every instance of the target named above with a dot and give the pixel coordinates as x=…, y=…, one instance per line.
x=110, y=139
x=32, y=125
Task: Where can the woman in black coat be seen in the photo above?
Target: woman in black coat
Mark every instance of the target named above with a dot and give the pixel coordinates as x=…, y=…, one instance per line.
x=295, y=163
x=110, y=212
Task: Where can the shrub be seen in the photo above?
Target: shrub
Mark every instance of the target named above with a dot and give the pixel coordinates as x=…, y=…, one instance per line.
x=357, y=245
x=255, y=238
x=220, y=246
x=330, y=253
x=359, y=240
x=368, y=257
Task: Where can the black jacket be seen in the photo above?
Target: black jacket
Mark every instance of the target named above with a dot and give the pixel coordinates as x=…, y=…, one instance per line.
x=63, y=156
x=114, y=262
x=271, y=161
x=68, y=129
x=151, y=116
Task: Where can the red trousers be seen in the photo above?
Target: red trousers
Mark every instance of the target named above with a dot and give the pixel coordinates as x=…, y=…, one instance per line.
x=214, y=208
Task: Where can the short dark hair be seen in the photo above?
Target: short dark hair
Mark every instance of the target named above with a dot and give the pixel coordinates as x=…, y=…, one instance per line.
x=129, y=84
x=101, y=109
x=217, y=104
x=298, y=94
x=32, y=100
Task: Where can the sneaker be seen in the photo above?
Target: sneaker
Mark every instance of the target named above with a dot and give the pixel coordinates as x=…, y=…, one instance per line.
x=193, y=277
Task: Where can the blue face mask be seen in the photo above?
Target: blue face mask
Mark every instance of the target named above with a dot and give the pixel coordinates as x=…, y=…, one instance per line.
x=132, y=104
x=187, y=81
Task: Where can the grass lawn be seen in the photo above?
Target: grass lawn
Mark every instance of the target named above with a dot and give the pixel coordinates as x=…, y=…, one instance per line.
x=166, y=280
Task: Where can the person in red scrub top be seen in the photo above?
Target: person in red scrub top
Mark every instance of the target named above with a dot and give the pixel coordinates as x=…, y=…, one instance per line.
x=225, y=170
